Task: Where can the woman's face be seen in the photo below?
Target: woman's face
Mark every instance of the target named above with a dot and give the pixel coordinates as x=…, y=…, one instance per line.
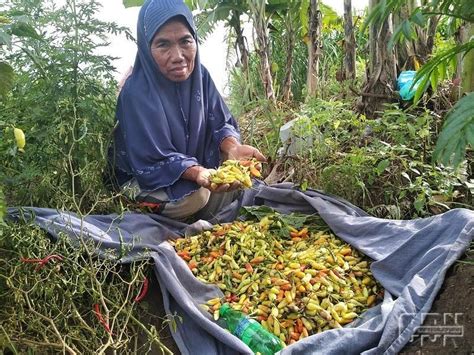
x=174, y=50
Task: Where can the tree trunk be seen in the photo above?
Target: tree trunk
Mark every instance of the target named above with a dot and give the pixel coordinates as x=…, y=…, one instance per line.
x=467, y=84
x=288, y=79
x=257, y=9
x=425, y=40
x=459, y=38
x=432, y=26
x=349, y=42
x=314, y=48
x=405, y=49
x=415, y=52
x=381, y=76
x=243, y=53
x=290, y=47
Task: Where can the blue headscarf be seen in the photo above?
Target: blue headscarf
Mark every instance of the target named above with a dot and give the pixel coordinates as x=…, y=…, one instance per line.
x=166, y=127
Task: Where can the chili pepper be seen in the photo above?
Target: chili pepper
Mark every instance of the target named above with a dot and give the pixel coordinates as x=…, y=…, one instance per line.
x=101, y=318
x=232, y=298
x=20, y=139
x=42, y=262
x=143, y=291
x=29, y=260
x=48, y=258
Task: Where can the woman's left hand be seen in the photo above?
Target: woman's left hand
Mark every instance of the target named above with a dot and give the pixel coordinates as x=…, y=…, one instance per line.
x=232, y=149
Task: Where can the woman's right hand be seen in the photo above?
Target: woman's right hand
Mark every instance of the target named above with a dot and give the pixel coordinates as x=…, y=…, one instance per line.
x=201, y=176
x=203, y=179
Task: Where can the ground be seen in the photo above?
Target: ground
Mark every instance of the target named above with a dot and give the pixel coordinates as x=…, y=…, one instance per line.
x=156, y=315
x=452, y=310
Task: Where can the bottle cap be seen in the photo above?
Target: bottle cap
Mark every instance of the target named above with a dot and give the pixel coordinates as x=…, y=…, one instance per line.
x=224, y=308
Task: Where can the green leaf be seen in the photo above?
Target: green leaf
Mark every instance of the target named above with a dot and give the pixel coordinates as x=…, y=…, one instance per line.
x=6, y=78
x=255, y=212
x=329, y=16
x=423, y=133
x=470, y=134
x=296, y=220
x=3, y=207
x=304, y=185
x=442, y=71
x=419, y=202
x=407, y=30
x=434, y=79
x=422, y=86
x=4, y=20
x=402, y=194
x=17, y=13
x=458, y=156
x=446, y=57
x=173, y=325
x=418, y=18
x=207, y=20
x=23, y=29
x=131, y=3
x=5, y=38
x=411, y=129
x=406, y=176
x=457, y=132
x=396, y=37
x=304, y=18
x=382, y=165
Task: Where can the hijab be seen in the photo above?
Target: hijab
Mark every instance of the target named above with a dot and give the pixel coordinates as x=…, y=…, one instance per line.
x=165, y=127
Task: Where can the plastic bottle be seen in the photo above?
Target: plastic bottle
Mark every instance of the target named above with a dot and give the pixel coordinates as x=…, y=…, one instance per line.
x=250, y=331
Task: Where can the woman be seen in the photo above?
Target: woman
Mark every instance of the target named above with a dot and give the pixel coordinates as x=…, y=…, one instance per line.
x=173, y=126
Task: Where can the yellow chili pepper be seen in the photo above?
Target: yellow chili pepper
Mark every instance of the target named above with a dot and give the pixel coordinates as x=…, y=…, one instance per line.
x=20, y=139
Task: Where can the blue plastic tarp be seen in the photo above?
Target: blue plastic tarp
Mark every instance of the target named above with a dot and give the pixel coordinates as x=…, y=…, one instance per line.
x=405, y=85
x=410, y=261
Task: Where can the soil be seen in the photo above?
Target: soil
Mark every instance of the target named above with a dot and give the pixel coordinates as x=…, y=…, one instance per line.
x=452, y=311
x=157, y=317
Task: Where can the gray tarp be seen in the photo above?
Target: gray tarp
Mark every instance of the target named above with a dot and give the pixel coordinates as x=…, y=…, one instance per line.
x=411, y=259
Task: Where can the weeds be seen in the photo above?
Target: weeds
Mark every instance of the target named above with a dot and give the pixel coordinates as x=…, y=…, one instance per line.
x=383, y=166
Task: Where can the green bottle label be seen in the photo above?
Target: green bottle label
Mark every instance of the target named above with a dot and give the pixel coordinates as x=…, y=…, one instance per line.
x=242, y=326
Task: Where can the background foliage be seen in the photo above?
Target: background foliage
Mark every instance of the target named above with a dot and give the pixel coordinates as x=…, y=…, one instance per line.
x=63, y=99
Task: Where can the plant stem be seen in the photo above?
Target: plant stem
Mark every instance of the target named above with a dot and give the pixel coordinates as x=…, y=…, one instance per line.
x=9, y=342
x=152, y=337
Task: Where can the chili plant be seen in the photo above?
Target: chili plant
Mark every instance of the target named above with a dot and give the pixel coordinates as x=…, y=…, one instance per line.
x=57, y=295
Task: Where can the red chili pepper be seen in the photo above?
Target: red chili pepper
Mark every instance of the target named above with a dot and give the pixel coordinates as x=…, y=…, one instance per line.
x=143, y=291
x=231, y=298
x=42, y=262
x=101, y=318
x=48, y=258
x=29, y=260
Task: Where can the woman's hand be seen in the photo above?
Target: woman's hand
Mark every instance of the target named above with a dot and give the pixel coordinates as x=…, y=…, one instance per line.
x=232, y=149
x=201, y=176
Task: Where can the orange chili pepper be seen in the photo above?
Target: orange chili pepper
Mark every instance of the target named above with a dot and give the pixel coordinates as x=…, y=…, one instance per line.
x=192, y=264
x=214, y=254
x=257, y=260
x=249, y=268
